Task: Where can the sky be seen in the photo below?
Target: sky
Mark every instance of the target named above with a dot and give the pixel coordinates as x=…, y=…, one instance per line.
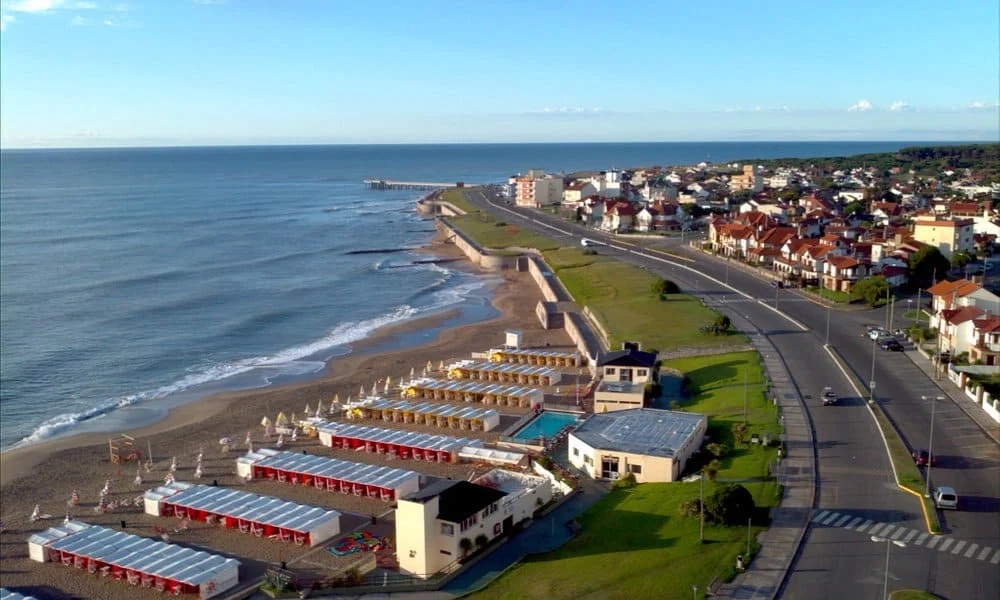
x=218, y=72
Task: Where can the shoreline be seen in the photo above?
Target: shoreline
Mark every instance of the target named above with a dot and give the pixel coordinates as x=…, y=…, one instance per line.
x=17, y=462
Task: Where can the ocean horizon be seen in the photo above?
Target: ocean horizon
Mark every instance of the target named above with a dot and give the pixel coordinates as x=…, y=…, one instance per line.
x=135, y=279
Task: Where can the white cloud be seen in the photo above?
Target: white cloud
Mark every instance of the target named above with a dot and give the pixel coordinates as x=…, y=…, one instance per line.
x=978, y=104
x=4, y=19
x=79, y=21
x=861, y=106
x=898, y=105
x=112, y=22
x=34, y=6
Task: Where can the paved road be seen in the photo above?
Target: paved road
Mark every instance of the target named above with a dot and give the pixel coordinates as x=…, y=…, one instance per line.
x=854, y=471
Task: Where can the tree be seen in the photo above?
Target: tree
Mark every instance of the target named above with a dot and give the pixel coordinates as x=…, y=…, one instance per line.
x=730, y=504
x=739, y=432
x=871, y=290
x=690, y=508
x=854, y=208
x=927, y=265
x=716, y=450
x=960, y=259
x=624, y=482
x=712, y=469
x=663, y=287
x=482, y=540
x=465, y=544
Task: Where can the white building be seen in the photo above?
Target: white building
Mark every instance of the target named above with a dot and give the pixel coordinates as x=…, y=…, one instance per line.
x=947, y=236
x=537, y=189
x=652, y=444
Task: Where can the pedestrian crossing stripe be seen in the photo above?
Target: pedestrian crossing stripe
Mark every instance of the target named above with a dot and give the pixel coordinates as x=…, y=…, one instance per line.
x=909, y=537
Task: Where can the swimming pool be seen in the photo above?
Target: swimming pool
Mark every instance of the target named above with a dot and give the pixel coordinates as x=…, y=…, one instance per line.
x=546, y=424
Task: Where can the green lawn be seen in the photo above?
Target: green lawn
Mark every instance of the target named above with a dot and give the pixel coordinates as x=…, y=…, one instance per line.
x=835, y=296
x=488, y=232
x=912, y=595
x=634, y=545
x=716, y=384
x=457, y=197
x=619, y=296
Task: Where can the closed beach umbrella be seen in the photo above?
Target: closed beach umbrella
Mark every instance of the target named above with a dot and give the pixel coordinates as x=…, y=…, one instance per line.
x=413, y=373
x=361, y=394
x=441, y=366
x=336, y=398
x=429, y=367
x=388, y=380
x=281, y=420
x=294, y=419
x=306, y=411
x=265, y=421
x=319, y=409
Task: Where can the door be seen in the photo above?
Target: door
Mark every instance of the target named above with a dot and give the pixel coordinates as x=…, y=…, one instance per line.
x=609, y=467
x=508, y=523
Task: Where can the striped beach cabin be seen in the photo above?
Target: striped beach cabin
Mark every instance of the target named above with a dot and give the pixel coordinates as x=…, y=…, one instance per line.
x=261, y=516
x=537, y=357
x=474, y=391
x=139, y=561
x=503, y=373
x=401, y=444
x=466, y=418
x=328, y=474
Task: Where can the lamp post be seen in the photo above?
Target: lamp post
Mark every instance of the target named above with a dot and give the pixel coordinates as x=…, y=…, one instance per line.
x=701, y=508
x=930, y=443
x=909, y=309
x=694, y=591
x=871, y=382
x=888, y=545
x=828, y=306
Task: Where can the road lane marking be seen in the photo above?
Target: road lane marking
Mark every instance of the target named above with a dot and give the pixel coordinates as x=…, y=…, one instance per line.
x=934, y=542
x=984, y=553
x=853, y=522
x=840, y=522
x=878, y=527
x=885, y=532
x=947, y=544
x=920, y=540
x=971, y=550
x=900, y=533
x=865, y=525
x=820, y=516
x=996, y=558
x=831, y=518
x=912, y=535
x=958, y=547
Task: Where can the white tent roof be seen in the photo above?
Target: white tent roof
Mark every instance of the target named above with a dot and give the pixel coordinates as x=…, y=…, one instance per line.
x=435, y=409
x=511, y=368
x=534, y=352
x=474, y=387
x=307, y=464
x=393, y=436
x=129, y=551
x=244, y=505
x=490, y=455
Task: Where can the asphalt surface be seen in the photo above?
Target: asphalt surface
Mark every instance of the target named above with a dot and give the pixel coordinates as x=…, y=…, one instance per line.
x=838, y=558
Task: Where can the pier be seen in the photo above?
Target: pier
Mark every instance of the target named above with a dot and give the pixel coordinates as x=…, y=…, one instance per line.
x=391, y=184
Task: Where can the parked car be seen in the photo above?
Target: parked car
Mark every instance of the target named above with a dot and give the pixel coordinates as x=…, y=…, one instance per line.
x=829, y=398
x=921, y=457
x=891, y=345
x=877, y=333
x=946, y=498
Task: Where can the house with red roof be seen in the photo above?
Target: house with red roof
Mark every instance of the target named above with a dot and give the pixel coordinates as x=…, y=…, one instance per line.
x=985, y=347
x=955, y=327
x=619, y=215
x=840, y=273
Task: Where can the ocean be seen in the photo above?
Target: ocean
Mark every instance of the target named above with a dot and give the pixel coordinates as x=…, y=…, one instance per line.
x=132, y=280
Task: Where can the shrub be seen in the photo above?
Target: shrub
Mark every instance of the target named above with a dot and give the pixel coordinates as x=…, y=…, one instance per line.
x=690, y=508
x=716, y=450
x=465, y=544
x=501, y=224
x=730, y=505
x=712, y=469
x=545, y=462
x=624, y=482
x=653, y=390
x=739, y=432
x=664, y=287
x=482, y=540
x=721, y=326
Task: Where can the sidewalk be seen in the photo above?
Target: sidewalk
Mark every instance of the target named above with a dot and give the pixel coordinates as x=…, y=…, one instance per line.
x=796, y=473
x=978, y=416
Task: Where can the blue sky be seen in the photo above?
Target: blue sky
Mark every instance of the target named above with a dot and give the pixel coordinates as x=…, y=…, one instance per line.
x=167, y=72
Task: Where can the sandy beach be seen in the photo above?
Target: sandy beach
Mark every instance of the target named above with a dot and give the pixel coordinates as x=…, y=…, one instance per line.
x=46, y=473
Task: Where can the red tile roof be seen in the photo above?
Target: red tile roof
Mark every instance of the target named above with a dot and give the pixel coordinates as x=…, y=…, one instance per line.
x=987, y=325
x=843, y=262
x=960, y=288
x=957, y=316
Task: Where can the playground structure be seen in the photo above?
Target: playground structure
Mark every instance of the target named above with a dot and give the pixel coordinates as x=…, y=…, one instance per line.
x=122, y=449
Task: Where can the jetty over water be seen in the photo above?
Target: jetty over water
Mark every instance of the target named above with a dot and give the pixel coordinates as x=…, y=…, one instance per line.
x=391, y=184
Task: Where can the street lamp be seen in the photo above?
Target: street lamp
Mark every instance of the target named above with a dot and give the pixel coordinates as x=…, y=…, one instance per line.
x=930, y=442
x=828, y=306
x=871, y=382
x=909, y=309
x=888, y=545
x=694, y=591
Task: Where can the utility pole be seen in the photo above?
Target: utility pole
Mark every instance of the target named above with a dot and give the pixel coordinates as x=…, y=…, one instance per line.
x=871, y=382
x=930, y=448
x=892, y=310
x=746, y=394
x=749, y=521
x=828, y=306
x=701, y=507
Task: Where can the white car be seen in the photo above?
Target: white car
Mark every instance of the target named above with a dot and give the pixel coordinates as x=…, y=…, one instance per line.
x=946, y=498
x=877, y=333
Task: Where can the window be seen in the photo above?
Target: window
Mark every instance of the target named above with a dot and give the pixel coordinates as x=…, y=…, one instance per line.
x=609, y=371
x=636, y=469
x=642, y=372
x=447, y=529
x=576, y=452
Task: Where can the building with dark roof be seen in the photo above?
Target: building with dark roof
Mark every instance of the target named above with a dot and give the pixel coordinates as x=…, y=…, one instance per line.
x=652, y=444
x=624, y=375
x=431, y=523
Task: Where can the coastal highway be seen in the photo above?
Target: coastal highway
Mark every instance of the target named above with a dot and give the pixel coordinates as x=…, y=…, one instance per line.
x=854, y=474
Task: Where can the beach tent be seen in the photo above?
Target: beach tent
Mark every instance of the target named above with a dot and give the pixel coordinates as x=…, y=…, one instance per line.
x=330, y=474
x=474, y=391
x=263, y=516
x=401, y=444
x=138, y=560
x=468, y=418
x=526, y=374
x=492, y=456
x=6, y=594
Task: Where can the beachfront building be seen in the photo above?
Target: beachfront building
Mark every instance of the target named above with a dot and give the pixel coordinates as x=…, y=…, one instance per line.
x=473, y=391
x=503, y=372
x=262, y=516
x=393, y=442
x=139, y=561
x=624, y=376
x=463, y=418
x=432, y=524
x=536, y=189
x=652, y=444
x=328, y=474
x=751, y=179
x=535, y=356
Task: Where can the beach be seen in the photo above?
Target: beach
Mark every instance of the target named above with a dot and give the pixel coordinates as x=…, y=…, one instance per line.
x=46, y=473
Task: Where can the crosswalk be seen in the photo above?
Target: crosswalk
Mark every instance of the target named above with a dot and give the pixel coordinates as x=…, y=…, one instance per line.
x=910, y=537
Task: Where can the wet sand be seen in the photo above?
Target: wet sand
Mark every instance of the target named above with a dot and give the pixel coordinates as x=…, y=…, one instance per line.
x=46, y=473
